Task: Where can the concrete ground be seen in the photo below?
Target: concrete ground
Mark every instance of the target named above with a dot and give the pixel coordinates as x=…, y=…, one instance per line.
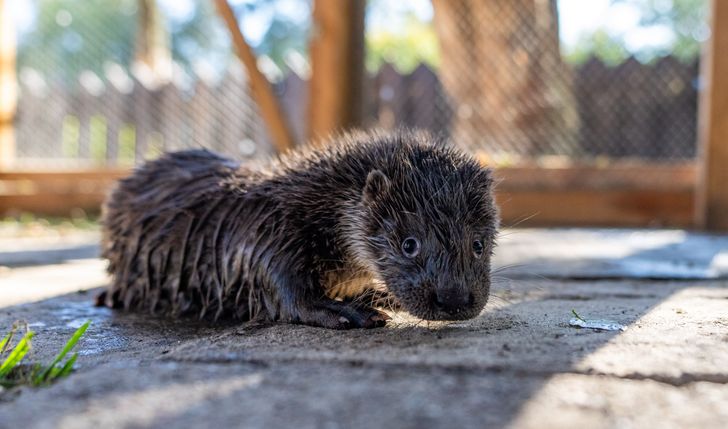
x=519, y=364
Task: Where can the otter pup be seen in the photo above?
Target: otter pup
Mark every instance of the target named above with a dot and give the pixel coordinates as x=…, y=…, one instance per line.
x=310, y=239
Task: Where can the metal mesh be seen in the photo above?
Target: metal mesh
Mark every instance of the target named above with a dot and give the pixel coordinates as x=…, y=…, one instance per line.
x=494, y=76
x=87, y=100
x=504, y=85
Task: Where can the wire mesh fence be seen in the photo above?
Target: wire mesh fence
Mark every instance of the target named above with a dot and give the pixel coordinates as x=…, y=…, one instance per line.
x=504, y=84
x=101, y=103
x=494, y=75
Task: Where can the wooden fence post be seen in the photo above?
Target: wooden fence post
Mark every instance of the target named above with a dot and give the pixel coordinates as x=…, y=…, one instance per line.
x=337, y=66
x=712, y=192
x=270, y=109
x=8, y=85
x=153, y=42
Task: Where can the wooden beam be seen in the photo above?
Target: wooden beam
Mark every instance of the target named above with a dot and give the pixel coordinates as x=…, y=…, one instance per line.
x=712, y=193
x=613, y=207
x=618, y=176
x=337, y=66
x=622, y=195
x=55, y=193
x=8, y=85
x=270, y=109
x=152, y=45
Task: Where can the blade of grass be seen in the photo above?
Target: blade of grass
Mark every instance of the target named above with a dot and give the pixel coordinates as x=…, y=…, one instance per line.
x=67, y=348
x=58, y=370
x=573, y=311
x=18, y=353
x=68, y=367
x=14, y=359
x=6, y=341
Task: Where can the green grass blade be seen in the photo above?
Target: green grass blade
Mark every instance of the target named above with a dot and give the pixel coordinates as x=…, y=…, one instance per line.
x=5, y=341
x=67, y=348
x=54, y=372
x=8, y=339
x=573, y=311
x=14, y=359
x=68, y=367
x=15, y=356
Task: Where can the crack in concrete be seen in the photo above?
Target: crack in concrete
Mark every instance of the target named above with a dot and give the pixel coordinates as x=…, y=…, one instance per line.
x=591, y=297
x=682, y=380
x=267, y=360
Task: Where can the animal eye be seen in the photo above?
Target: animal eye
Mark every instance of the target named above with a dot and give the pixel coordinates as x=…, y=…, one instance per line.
x=478, y=248
x=410, y=247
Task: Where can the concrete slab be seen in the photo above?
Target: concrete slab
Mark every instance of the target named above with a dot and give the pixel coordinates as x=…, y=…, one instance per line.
x=49, y=249
x=612, y=253
x=519, y=364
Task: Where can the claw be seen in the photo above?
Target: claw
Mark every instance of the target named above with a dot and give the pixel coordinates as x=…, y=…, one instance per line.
x=339, y=315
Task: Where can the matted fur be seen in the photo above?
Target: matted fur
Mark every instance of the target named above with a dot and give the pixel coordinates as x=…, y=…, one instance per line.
x=196, y=233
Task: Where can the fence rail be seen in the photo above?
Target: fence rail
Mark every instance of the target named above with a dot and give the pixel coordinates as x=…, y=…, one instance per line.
x=527, y=196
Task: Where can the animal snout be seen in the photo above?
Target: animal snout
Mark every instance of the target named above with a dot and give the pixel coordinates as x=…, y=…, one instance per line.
x=453, y=302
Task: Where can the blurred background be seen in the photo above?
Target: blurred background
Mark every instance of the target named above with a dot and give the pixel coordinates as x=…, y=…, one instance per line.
x=587, y=110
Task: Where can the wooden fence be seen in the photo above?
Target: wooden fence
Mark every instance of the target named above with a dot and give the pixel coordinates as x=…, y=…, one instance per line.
x=122, y=122
x=645, y=111
x=634, y=110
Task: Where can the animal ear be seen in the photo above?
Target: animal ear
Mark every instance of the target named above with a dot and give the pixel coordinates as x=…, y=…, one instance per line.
x=377, y=185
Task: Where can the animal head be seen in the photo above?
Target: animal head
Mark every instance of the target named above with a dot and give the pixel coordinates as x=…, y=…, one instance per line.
x=430, y=230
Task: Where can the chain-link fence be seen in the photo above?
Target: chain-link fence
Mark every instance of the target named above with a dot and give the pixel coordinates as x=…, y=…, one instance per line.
x=110, y=82
x=504, y=83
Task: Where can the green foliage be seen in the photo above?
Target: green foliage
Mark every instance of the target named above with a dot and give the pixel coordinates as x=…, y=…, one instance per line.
x=416, y=43
x=200, y=36
x=283, y=37
x=12, y=373
x=686, y=19
x=71, y=36
x=16, y=354
x=600, y=44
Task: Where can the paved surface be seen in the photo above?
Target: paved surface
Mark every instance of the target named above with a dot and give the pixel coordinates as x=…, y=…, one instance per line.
x=519, y=364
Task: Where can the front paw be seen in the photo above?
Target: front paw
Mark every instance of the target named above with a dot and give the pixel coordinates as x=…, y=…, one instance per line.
x=339, y=315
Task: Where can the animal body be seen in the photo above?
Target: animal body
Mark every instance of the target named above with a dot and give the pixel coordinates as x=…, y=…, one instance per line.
x=319, y=236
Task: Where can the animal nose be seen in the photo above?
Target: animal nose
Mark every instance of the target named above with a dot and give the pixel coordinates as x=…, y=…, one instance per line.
x=453, y=301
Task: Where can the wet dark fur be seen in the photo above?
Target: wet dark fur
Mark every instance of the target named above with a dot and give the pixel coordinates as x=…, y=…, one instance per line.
x=310, y=239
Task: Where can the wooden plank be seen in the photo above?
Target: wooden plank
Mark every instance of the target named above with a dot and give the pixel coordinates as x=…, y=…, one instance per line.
x=712, y=194
x=62, y=175
x=51, y=204
x=337, y=66
x=55, y=193
x=518, y=208
x=270, y=109
x=622, y=194
x=621, y=176
x=8, y=85
x=624, y=208
x=529, y=196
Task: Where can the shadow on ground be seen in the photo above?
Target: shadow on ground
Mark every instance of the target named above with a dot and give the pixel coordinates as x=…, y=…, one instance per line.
x=143, y=371
x=24, y=258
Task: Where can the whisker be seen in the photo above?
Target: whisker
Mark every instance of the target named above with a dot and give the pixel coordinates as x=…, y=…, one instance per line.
x=520, y=221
